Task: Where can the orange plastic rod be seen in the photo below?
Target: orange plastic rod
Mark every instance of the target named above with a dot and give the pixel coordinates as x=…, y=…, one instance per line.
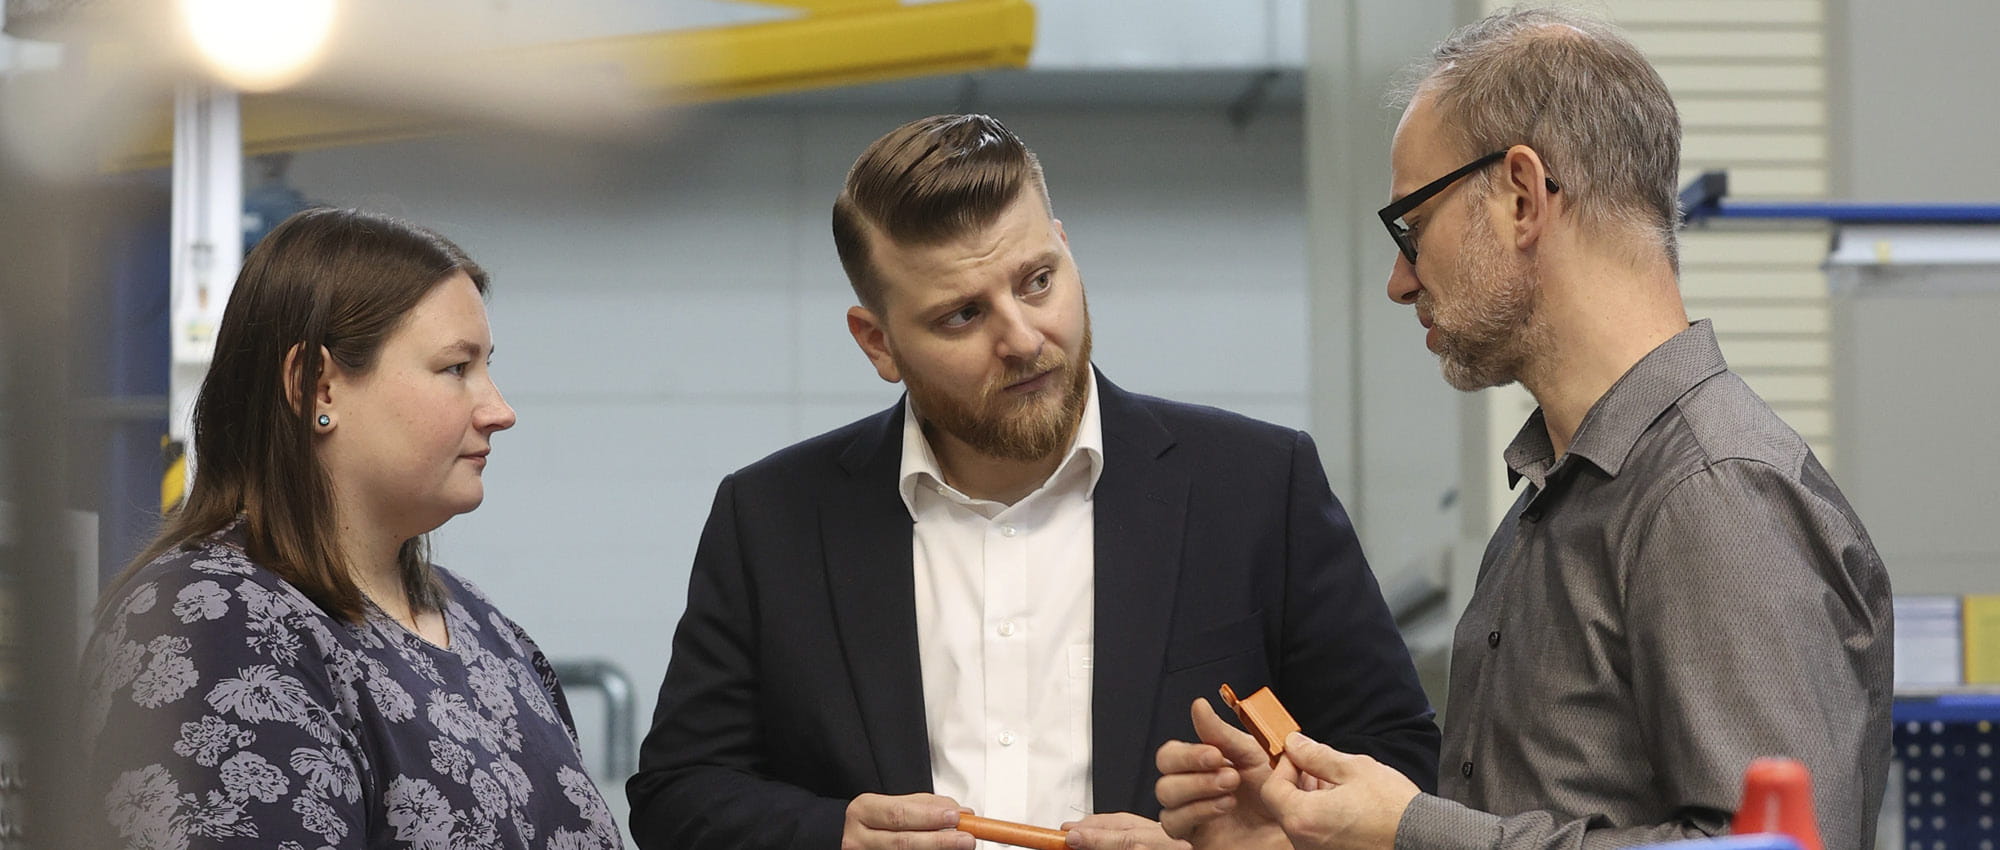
x=1017, y=834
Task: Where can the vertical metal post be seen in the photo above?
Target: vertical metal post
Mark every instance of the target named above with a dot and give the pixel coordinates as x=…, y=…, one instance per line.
x=207, y=238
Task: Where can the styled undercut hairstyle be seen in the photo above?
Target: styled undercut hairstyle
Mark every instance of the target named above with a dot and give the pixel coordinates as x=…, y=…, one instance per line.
x=927, y=182
x=1582, y=96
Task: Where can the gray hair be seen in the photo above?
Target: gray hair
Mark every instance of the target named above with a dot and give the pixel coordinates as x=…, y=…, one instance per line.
x=1582, y=96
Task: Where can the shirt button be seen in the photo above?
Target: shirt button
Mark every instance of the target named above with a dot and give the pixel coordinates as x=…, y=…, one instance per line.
x=1007, y=629
x=1465, y=769
x=1007, y=739
x=1493, y=639
x=1007, y=531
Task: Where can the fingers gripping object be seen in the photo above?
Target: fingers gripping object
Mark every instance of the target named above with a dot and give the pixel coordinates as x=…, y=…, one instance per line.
x=1017, y=834
x=1264, y=717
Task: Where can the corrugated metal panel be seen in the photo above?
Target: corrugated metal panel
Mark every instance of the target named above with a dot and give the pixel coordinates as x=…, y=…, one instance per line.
x=1699, y=113
x=1750, y=76
x=1766, y=182
x=1750, y=351
x=1753, y=147
x=1743, y=78
x=1813, y=422
x=1703, y=248
x=1700, y=45
x=1638, y=13
x=1791, y=388
x=1807, y=317
x=1715, y=283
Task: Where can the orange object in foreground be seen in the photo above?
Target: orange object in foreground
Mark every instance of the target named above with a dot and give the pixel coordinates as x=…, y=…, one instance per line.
x=1017, y=834
x=1777, y=797
x=1264, y=717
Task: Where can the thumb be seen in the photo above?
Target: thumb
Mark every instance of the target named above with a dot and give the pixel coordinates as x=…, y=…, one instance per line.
x=1281, y=791
x=1317, y=759
x=1236, y=745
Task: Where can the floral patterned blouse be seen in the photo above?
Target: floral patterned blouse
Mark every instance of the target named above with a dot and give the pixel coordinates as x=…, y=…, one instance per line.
x=225, y=709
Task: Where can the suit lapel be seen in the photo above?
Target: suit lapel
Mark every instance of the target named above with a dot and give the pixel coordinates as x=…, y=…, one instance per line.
x=1140, y=511
x=865, y=533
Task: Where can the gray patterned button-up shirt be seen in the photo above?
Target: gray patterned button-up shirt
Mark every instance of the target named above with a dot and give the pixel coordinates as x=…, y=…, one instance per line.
x=1683, y=591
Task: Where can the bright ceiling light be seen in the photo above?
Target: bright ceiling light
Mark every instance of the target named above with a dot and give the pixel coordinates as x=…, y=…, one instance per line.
x=259, y=45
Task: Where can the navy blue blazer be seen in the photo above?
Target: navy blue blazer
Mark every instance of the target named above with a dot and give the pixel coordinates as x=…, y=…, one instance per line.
x=1221, y=556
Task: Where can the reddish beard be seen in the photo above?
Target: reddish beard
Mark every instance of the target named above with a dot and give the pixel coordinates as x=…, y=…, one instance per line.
x=997, y=425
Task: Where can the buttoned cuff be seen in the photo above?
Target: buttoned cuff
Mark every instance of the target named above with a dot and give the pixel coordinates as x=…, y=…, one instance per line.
x=1435, y=823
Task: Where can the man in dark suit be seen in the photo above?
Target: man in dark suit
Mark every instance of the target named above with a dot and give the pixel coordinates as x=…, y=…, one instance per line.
x=999, y=594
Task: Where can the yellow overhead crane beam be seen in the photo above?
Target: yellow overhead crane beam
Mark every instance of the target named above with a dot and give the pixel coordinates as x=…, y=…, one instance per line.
x=834, y=43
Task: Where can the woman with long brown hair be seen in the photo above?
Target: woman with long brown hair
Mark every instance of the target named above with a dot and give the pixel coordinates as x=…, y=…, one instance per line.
x=283, y=667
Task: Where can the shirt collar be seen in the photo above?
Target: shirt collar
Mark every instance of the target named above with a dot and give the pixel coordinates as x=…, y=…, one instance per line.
x=920, y=462
x=1616, y=422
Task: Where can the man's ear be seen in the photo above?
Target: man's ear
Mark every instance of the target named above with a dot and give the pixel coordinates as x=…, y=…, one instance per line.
x=1531, y=194
x=1060, y=231
x=323, y=389
x=869, y=333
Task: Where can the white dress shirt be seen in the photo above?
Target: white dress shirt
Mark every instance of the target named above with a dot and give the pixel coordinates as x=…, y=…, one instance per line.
x=1004, y=598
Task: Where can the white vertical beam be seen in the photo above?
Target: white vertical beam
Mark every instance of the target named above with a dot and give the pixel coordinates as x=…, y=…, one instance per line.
x=207, y=237
x=1384, y=419
x=1330, y=95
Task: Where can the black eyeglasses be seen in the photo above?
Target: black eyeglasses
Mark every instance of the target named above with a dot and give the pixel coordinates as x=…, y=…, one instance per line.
x=1392, y=215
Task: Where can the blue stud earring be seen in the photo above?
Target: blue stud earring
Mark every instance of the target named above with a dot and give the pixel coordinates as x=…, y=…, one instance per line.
x=325, y=420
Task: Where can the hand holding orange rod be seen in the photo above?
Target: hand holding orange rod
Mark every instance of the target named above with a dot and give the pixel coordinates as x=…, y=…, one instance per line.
x=1017, y=834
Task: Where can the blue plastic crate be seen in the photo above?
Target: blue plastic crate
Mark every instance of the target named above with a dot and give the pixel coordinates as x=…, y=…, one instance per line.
x=1948, y=758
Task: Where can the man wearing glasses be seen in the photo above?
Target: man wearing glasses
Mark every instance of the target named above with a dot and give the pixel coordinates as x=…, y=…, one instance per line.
x=1679, y=588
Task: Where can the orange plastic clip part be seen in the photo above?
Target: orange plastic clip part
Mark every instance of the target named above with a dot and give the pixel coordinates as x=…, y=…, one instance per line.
x=1016, y=834
x=1267, y=720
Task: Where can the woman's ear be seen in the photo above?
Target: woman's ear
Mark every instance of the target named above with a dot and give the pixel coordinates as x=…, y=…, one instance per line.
x=321, y=404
